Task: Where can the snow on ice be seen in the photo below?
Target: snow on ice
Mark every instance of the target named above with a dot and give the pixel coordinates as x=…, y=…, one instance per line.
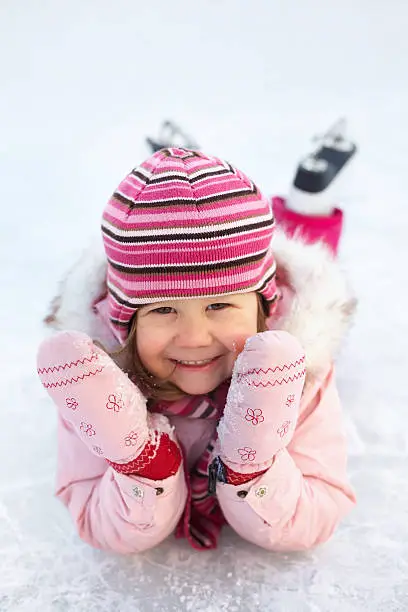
x=82, y=84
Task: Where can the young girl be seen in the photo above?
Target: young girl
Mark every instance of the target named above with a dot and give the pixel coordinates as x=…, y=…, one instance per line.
x=213, y=399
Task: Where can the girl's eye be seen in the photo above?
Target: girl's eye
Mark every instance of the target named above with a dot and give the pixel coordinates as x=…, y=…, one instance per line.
x=163, y=310
x=218, y=306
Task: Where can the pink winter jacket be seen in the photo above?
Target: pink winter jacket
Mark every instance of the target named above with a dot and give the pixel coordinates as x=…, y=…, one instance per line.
x=294, y=505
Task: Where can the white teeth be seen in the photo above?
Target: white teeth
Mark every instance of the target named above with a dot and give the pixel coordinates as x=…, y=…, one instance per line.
x=202, y=362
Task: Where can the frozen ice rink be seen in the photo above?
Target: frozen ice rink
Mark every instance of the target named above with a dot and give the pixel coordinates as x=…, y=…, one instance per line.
x=82, y=83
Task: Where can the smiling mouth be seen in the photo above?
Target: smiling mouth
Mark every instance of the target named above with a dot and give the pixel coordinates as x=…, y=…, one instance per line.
x=195, y=363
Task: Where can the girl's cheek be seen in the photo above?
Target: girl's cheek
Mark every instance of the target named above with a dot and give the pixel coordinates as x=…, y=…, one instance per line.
x=239, y=343
x=236, y=344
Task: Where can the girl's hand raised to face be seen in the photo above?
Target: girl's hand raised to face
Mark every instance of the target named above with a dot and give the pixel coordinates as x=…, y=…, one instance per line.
x=105, y=407
x=263, y=400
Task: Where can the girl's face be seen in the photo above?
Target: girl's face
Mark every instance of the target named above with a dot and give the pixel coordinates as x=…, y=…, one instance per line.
x=194, y=343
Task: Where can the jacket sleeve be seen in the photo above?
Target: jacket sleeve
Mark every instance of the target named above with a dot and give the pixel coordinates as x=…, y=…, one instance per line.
x=112, y=511
x=298, y=502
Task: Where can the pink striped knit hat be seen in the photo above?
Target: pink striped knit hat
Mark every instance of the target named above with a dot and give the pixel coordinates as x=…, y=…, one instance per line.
x=185, y=225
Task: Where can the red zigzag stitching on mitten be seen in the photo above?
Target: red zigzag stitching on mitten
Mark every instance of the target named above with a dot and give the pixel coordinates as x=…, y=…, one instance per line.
x=67, y=365
x=286, y=366
x=75, y=379
x=277, y=382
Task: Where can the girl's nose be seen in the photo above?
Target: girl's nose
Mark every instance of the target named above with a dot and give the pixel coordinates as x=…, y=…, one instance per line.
x=193, y=333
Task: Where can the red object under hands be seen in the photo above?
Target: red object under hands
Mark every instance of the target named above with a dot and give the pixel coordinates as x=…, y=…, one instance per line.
x=157, y=461
x=236, y=478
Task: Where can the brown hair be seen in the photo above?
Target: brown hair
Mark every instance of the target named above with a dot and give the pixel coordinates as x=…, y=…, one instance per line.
x=129, y=361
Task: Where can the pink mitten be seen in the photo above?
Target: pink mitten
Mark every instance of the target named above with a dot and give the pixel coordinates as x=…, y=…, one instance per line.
x=263, y=401
x=107, y=410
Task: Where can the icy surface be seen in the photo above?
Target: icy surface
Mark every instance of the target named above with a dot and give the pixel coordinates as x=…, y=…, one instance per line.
x=82, y=84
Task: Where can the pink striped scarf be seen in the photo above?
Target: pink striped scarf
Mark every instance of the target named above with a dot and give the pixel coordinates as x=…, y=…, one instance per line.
x=202, y=519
